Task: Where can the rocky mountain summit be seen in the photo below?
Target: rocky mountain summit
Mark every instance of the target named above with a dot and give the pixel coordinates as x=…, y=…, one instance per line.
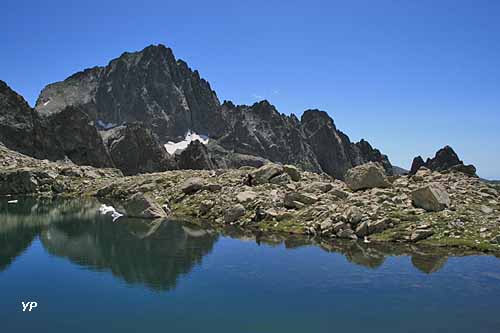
x=153, y=88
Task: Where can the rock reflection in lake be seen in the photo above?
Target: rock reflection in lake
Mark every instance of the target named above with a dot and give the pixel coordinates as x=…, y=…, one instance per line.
x=155, y=253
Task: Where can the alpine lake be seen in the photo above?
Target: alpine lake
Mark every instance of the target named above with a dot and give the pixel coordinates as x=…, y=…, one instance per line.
x=88, y=273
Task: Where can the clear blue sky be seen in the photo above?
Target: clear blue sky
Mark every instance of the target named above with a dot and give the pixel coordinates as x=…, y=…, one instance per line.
x=409, y=76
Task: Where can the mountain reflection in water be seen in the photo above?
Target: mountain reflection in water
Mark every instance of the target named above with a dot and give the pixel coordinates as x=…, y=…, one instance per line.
x=155, y=253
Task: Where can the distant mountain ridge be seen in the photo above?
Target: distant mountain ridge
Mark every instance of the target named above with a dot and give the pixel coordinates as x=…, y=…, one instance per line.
x=163, y=98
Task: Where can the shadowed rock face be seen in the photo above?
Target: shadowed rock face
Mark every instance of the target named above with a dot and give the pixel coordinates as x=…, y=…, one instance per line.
x=196, y=157
x=313, y=143
x=17, y=129
x=134, y=149
x=262, y=131
x=67, y=133
x=150, y=86
x=335, y=152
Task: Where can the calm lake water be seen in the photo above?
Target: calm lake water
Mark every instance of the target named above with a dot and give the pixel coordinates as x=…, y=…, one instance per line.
x=90, y=274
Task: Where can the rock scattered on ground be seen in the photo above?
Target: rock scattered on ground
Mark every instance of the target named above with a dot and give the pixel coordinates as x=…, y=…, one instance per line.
x=445, y=209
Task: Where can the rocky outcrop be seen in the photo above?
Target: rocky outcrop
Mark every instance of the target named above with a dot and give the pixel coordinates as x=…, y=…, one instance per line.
x=134, y=149
x=66, y=134
x=70, y=134
x=195, y=157
x=445, y=160
x=261, y=130
x=417, y=163
x=17, y=129
x=335, y=152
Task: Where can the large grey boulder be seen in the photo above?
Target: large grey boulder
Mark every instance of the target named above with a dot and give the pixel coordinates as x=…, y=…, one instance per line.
x=265, y=173
x=234, y=213
x=246, y=196
x=420, y=234
x=366, y=176
x=192, y=185
x=140, y=205
x=292, y=171
x=432, y=198
x=298, y=200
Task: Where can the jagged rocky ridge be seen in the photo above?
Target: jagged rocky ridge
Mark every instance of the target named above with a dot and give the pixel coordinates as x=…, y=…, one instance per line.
x=445, y=159
x=162, y=93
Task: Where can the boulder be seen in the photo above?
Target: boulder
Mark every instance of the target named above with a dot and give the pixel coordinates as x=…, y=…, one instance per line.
x=192, y=185
x=234, y=213
x=347, y=234
x=246, y=196
x=366, y=176
x=354, y=215
x=339, y=226
x=140, y=205
x=378, y=226
x=486, y=210
x=265, y=173
x=298, y=200
x=282, y=179
x=206, y=206
x=326, y=224
x=432, y=198
x=362, y=229
x=420, y=234
x=292, y=171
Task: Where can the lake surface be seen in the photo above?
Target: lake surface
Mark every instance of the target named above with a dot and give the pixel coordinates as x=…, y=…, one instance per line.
x=90, y=274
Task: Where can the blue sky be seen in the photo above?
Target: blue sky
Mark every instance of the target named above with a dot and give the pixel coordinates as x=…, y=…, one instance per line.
x=409, y=76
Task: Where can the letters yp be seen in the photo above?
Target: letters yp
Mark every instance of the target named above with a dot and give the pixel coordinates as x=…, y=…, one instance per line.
x=29, y=305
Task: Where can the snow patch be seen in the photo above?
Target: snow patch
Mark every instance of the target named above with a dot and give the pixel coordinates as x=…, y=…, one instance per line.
x=106, y=210
x=105, y=125
x=173, y=147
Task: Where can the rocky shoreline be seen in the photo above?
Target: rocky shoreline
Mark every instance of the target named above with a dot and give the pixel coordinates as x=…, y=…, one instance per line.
x=446, y=209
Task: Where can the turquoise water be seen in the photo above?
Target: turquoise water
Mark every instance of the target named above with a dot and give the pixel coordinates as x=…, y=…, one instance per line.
x=89, y=274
